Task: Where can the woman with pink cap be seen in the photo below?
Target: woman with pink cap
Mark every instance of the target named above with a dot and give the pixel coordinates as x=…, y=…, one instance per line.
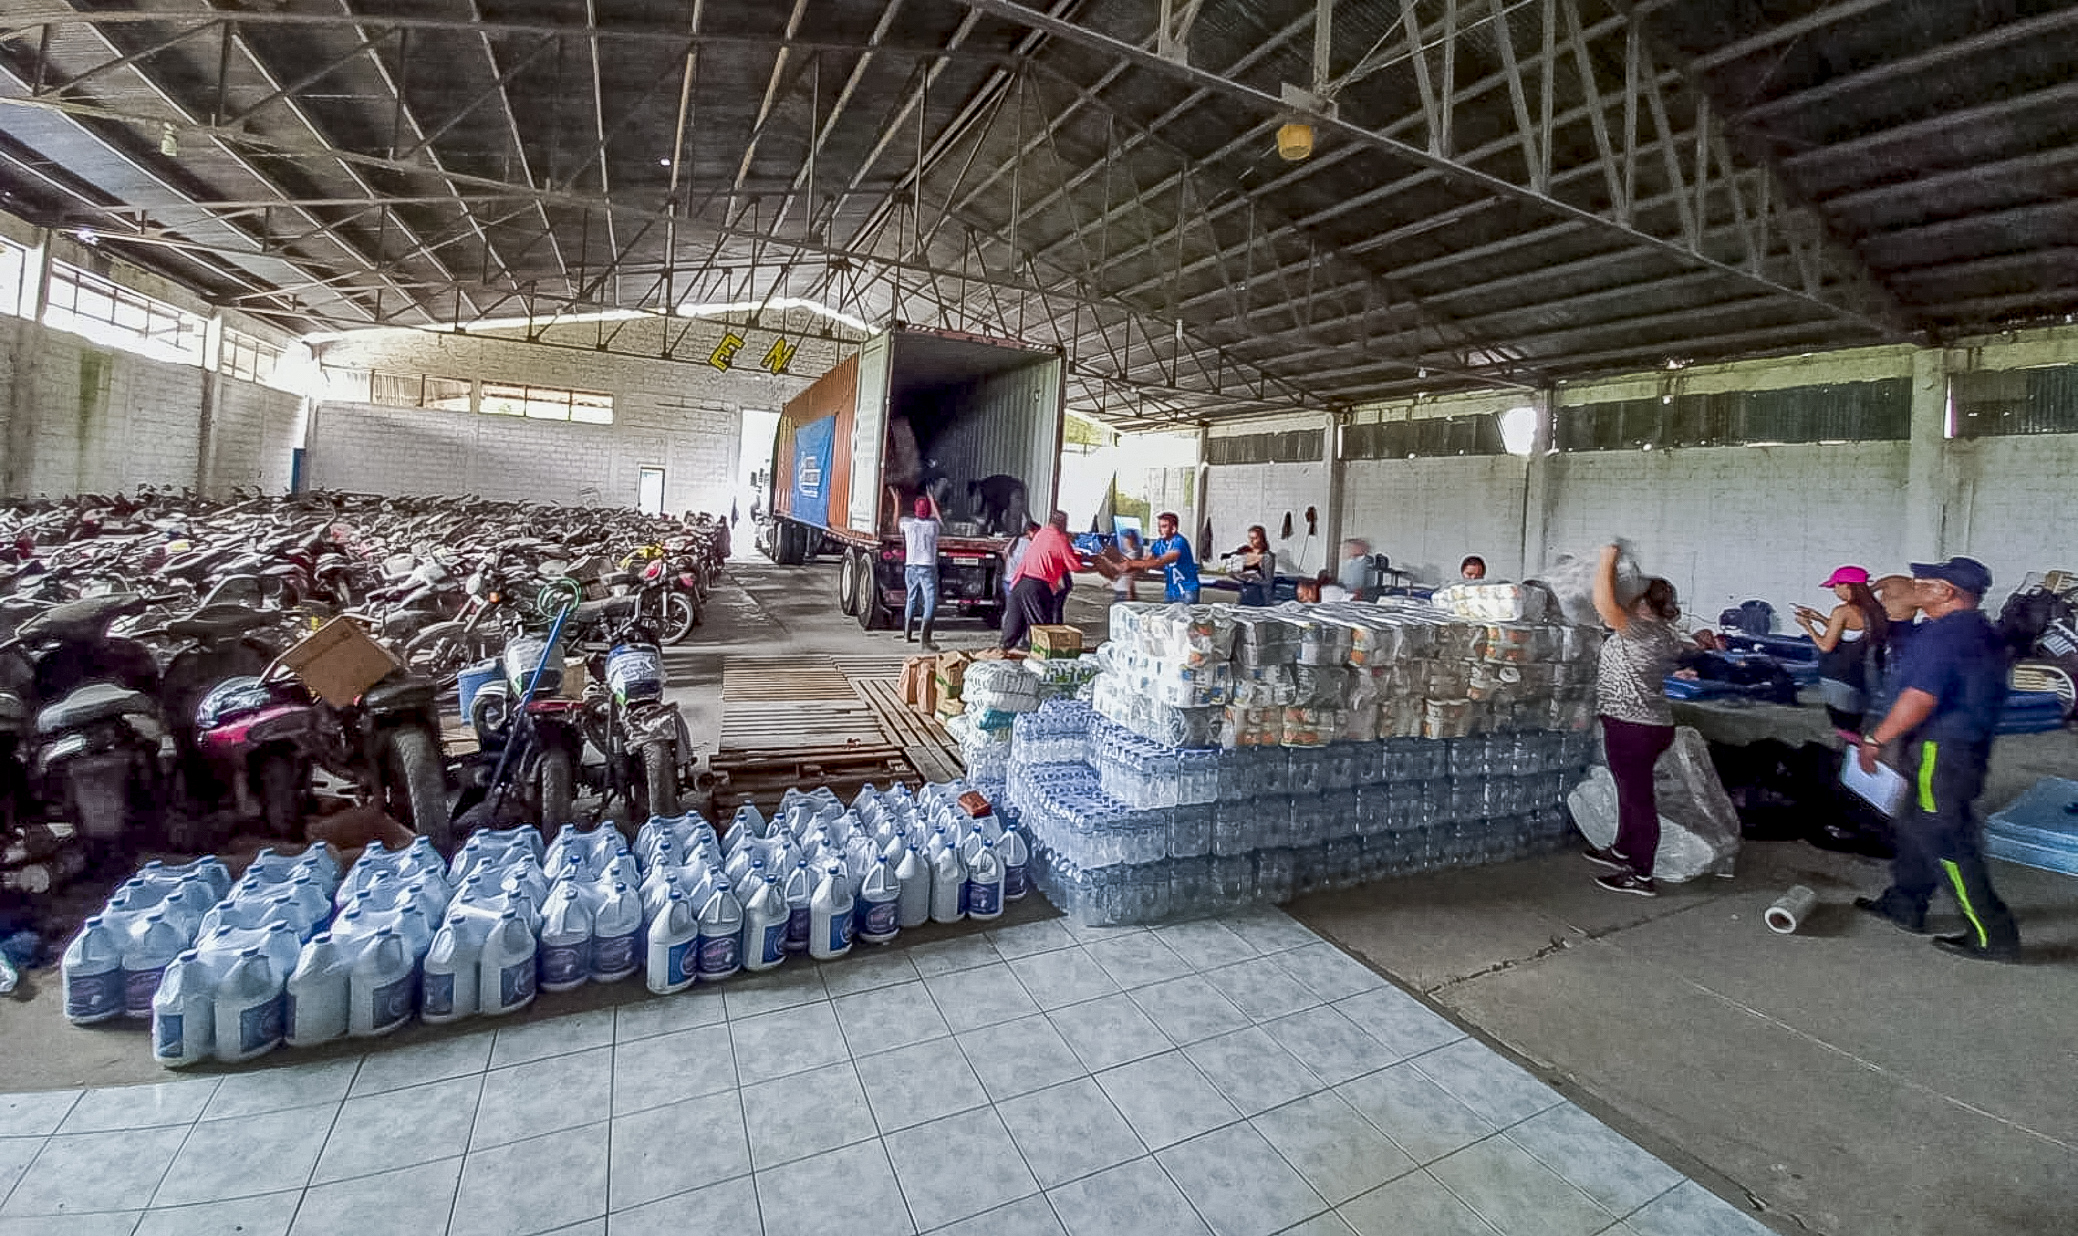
x=1851, y=642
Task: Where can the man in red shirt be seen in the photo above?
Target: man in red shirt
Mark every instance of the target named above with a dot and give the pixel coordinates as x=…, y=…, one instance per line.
x=1039, y=588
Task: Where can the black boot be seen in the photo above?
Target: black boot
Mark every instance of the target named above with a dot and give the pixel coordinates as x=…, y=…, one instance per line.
x=928, y=642
x=909, y=631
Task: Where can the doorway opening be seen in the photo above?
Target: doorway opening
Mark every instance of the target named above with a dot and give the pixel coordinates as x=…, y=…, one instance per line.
x=649, y=491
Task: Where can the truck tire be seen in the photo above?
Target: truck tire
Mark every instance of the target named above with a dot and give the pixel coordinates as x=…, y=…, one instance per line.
x=874, y=615
x=847, y=584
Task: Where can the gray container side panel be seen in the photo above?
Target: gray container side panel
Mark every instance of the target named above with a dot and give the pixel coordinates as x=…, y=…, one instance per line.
x=1005, y=423
x=869, y=434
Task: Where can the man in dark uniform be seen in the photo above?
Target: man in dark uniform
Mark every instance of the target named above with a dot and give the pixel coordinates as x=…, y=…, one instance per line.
x=1951, y=686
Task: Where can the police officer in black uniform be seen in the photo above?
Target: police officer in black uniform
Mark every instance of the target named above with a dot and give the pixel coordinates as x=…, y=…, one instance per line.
x=1950, y=686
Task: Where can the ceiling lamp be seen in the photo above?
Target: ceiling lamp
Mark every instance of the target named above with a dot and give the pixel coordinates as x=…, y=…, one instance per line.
x=1295, y=141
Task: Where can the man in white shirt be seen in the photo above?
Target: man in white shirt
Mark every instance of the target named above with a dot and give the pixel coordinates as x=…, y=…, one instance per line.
x=920, y=569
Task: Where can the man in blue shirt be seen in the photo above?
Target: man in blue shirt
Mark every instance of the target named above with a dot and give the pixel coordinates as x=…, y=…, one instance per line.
x=1171, y=554
x=1951, y=686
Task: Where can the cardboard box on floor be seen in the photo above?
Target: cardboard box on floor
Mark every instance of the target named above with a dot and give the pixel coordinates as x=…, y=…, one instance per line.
x=916, y=680
x=351, y=831
x=339, y=661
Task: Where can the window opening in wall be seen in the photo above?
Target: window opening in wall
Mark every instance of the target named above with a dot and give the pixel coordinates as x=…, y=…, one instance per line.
x=2009, y=402
x=413, y=390
x=87, y=304
x=247, y=357
x=547, y=403
x=649, y=491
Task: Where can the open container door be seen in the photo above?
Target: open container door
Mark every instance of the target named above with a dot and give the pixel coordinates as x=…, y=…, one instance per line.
x=869, y=435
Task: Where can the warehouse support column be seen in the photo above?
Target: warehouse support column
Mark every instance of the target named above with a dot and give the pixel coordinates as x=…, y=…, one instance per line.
x=20, y=462
x=1537, y=488
x=1926, y=479
x=1331, y=513
x=1200, y=491
x=205, y=421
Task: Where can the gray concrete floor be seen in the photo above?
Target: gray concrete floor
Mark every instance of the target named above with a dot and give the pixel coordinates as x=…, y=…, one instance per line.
x=1845, y=1080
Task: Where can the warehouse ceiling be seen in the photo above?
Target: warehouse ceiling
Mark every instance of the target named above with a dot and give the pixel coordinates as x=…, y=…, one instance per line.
x=1500, y=194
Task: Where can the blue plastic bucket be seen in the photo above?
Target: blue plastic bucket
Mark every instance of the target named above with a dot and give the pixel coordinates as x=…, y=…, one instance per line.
x=474, y=679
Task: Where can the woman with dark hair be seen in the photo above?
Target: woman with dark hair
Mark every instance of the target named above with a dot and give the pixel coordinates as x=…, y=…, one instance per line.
x=1256, y=571
x=1637, y=723
x=1851, y=645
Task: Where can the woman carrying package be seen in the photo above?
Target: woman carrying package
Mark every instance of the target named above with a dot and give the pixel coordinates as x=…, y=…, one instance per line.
x=1256, y=571
x=1851, y=643
x=1637, y=723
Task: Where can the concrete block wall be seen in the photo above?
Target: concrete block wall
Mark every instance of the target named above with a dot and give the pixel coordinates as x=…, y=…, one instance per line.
x=1427, y=514
x=253, y=437
x=2012, y=504
x=1238, y=495
x=685, y=418
x=107, y=420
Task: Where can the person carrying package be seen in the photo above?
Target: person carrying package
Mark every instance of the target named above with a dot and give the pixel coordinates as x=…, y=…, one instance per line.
x=1044, y=575
x=1256, y=571
x=1637, y=722
x=1951, y=687
x=1125, y=586
x=1356, y=568
x=920, y=569
x=1171, y=554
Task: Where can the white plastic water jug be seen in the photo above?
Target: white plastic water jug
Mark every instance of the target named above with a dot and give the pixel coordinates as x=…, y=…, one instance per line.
x=617, y=944
x=317, y=994
x=248, y=1008
x=948, y=886
x=448, y=983
x=184, y=1013
x=913, y=900
x=152, y=945
x=380, y=991
x=721, y=932
x=830, y=915
x=92, y=974
x=566, y=939
x=1016, y=855
x=764, y=926
x=878, y=908
x=673, y=938
x=506, y=977
x=985, y=884
x=799, y=890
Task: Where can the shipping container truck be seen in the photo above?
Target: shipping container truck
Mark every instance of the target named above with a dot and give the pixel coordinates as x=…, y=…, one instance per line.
x=969, y=418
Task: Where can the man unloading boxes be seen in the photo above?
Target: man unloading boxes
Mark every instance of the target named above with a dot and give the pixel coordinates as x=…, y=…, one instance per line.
x=1039, y=588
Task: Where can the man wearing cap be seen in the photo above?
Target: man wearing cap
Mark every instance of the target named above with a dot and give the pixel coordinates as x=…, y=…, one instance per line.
x=1950, y=689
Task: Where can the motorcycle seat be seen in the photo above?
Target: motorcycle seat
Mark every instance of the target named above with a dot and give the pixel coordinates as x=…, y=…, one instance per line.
x=85, y=618
x=13, y=712
x=607, y=607
x=402, y=691
x=96, y=701
x=219, y=622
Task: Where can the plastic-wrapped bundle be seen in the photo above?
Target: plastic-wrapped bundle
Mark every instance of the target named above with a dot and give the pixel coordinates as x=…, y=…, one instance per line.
x=1063, y=675
x=1058, y=733
x=1263, y=638
x=1190, y=634
x=1244, y=725
x=1311, y=727
x=984, y=752
x=1000, y=686
x=1264, y=686
x=1118, y=700
x=1320, y=686
x=1571, y=583
x=1494, y=601
x=1178, y=683
x=1322, y=641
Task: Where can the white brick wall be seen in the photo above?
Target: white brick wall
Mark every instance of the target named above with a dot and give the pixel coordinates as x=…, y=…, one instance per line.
x=1238, y=495
x=2011, y=505
x=683, y=417
x=1427, y=514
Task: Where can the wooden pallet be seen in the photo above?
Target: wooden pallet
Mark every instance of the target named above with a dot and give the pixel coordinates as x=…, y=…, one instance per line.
x=929, y=749
x=809, y=677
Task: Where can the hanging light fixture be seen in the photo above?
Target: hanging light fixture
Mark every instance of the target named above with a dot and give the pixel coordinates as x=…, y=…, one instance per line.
x=1295, y=141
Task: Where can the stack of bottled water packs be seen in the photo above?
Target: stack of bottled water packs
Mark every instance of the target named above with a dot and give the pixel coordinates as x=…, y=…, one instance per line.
x=1229, y=756
x=293, y=954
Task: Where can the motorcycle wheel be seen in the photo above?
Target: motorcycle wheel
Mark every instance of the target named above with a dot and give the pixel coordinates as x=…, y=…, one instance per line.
x=418, y=784
x=679, y=618
x=660, y=779
x=557, y=780
x=278, y=783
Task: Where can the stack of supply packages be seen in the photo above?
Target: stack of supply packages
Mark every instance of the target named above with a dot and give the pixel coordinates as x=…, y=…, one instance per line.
x=1238, y=755
x=996, y=694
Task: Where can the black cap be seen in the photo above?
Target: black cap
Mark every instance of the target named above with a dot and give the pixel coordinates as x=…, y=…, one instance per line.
x=1967, y=574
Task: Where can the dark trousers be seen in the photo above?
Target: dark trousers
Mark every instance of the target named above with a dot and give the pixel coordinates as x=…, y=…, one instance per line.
x=1939, y=843
x=1633, y=749
x=1031, y=604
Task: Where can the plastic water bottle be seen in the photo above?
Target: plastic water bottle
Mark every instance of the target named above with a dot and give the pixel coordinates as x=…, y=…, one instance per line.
x=799, y=890
x=985, y=884
x=448, y=983
x=506, y=977
x=721, y=934
x=913, y=902
x=380, y=990
x=184, y=1013
x=1016, y=856
x=566, y=940
x=673, y=939
x=948, y=886
x=878, y=904
x=92, y=974
x=616, y=935
x=153, y=944
x=317, y=994
x=248, y=1009
x=830, y=916
x=765, y=921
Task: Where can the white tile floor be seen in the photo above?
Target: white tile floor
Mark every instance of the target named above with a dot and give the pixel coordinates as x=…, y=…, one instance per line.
x=1232, y=1076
